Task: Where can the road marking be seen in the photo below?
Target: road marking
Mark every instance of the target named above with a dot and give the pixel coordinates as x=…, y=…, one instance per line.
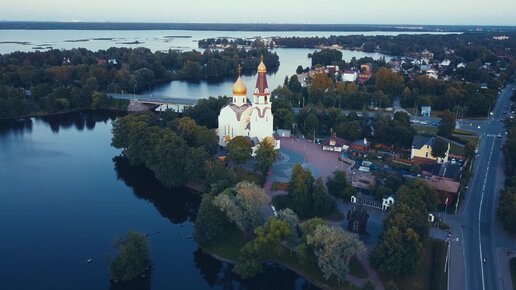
x=479, y=216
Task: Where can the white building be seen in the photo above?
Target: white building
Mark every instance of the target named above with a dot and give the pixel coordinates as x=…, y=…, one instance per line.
x=349, y=76
x=241, y=117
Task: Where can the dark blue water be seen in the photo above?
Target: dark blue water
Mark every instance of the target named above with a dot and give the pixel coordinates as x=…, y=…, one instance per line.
x=65, y=195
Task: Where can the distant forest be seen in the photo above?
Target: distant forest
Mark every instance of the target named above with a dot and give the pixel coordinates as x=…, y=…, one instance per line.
x=245, y=27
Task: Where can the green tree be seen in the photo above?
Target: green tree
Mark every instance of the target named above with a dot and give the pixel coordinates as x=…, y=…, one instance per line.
x=210, y=222
x=447, y=124
x=299, y=69
x=323, y=204
x=388, y=256
x=268, y=240
x=294, y=85
x=439, y=148
x=242, y=205
x=338, y=186
x=506, y=211
x=132, y=259
x=289, y=216
x=283, y=119
x=333, y=248
x=239, y=150
x=299, y=191
x=388, y=81
x=265, y=156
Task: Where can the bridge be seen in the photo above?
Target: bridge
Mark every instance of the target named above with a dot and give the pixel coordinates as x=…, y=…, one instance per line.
x=140, y=102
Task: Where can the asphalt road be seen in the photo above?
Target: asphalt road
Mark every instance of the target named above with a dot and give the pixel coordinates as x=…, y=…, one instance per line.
x=480, y=234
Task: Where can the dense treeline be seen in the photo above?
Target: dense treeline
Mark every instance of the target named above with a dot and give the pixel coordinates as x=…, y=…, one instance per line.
x=468, y=46
x=177, y=150
x=400, y=250
x=61, y=80
x=507, y=208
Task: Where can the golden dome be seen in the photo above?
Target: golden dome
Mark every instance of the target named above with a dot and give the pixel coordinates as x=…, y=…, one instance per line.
x=261, y=66
x=239, y=88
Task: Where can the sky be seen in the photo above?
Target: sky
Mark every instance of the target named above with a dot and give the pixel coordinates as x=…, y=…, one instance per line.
x=440, y=12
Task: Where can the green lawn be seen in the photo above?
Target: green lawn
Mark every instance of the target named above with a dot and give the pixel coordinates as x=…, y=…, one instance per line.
x=463, y=132
x=230, y=247
x=456, y=149
x=427, y=130
x=513, y=273
x=430, y=275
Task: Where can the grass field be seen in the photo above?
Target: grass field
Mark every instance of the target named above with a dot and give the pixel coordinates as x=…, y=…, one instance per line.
x=427, y=130
x=463, y=132
x=513, y=273
x=456, y=149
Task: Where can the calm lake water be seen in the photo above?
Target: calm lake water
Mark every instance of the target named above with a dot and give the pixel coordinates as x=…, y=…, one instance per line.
x=65, y=195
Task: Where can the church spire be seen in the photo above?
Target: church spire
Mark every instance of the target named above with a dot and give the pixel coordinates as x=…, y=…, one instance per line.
x=261, y=91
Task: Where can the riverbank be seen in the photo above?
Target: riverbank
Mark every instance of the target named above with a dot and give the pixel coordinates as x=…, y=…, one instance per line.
x=227, y=250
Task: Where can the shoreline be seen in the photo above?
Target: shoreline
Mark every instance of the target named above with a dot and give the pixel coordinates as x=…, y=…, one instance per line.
x=39, y=115
x=230, y=261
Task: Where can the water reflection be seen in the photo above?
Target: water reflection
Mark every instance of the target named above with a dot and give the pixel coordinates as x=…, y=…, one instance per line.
x=16, y=126
x=140, y=283
x=80, y=120
x=218, y=274
x=177, y=204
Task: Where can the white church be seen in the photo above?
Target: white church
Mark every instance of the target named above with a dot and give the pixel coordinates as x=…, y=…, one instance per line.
x=241, y=117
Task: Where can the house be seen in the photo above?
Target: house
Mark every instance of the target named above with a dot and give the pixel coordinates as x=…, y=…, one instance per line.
x=335, y=144
x=427, y=54
x=425, y=111
x=365, y=73
x=461, y=65
x=445, y=188
x=421, y=151
x=483, y=86
x=445, y=62
x=431, y=73
x=112, y=61
x=360, y=145
x=349, y=76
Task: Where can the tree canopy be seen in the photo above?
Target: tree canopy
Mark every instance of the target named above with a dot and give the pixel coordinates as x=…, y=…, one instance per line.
x=132, y=259
x=242, y=205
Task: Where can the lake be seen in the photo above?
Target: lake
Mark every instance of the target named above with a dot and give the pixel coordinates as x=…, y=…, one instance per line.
x=65, y=194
